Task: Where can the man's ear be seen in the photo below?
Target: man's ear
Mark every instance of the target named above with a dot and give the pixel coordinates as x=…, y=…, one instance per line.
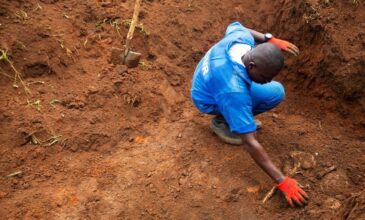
x=251, y=65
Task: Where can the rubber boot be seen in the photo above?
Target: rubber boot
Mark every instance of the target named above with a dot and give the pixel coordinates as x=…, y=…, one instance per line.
x=221, y=129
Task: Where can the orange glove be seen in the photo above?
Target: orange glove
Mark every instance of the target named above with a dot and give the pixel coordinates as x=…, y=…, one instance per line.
x=292, y=191
x=285, y=45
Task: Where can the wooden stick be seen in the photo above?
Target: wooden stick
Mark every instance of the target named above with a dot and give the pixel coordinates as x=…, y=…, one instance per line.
x=137, y=8
x=274, y=188
x=269, y=194
x=320, y=175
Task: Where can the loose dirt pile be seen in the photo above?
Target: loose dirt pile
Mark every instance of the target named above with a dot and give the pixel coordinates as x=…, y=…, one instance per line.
x=100, y=141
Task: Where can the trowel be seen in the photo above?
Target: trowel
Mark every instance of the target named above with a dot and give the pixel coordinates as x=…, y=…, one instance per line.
x=127, y=56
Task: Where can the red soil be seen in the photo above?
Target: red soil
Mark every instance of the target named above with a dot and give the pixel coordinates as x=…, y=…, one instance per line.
x=121, y=143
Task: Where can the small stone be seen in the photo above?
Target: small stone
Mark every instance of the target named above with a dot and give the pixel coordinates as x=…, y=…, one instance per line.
x=195, y=204
x=2, y=194
x=120, y=69
x=59, y=203
x=92, y=90
x=333, y=182
x=15, y=182
x=301, y=131
x=26, y=185
x=183, y=181
x=105, y=4
x=116, y=56
x=74, y=148
x=332, y=203
x=340, y=197
x=307, y=165
x=274, y=115
x=338, y=137
x=233, y=195
x=253, y=189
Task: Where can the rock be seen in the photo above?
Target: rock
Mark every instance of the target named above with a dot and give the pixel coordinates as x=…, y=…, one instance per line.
x=3, y=194
x=196, y=203
x=74, y=148
x=253, y=189
x=183, y=181
x=233, y=195
x=306, y=160
x=116, y=56
x=307, y=165
x=338, y=137
x=332, y=203
x=120, y=69
x=340, y=197
x=92, y=90
x=301, y=131
x=334, y=183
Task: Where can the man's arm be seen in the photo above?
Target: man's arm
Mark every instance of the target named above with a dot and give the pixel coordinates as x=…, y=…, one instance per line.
x=260, y=156
x=282, y=44
x=259, y=37
x=287, y=185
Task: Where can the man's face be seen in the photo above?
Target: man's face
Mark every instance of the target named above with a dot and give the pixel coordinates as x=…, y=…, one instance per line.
x=263, y=63
x=260, y=75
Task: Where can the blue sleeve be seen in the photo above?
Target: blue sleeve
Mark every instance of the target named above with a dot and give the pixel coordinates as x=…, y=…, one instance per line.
x=236, y=108
x=238, y=31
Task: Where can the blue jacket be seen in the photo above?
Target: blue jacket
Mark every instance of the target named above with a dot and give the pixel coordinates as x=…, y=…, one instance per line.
x=221, y=83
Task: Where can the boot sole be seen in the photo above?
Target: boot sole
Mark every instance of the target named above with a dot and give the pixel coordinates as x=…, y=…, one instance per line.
x=228, y=140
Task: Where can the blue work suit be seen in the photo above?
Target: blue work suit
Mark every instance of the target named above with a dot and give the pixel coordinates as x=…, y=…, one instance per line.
x=222, y=86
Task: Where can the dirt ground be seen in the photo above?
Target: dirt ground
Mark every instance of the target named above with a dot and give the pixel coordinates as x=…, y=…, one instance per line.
x=99, y=141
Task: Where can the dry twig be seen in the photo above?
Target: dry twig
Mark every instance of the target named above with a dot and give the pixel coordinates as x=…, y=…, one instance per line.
x=17, y=75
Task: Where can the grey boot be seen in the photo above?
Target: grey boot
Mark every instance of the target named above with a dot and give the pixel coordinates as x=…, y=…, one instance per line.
x=221, y=129
x=258, y=124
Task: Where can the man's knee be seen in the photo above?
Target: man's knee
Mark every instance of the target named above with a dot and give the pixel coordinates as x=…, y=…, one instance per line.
x=279, y=92
x=277, y=95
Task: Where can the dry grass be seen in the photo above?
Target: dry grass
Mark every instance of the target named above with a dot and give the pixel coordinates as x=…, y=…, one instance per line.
x=17, y=76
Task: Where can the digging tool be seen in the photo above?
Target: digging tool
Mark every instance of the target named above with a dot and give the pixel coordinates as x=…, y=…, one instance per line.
x=127, y=56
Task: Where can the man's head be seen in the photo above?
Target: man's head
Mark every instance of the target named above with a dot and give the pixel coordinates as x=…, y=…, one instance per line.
x=263, y=62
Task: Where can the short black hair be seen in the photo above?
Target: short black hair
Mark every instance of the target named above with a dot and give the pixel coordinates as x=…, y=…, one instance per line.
x=269, y=56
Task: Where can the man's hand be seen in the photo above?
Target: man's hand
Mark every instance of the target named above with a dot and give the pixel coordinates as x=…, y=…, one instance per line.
x=285, y=45
x=292, y=192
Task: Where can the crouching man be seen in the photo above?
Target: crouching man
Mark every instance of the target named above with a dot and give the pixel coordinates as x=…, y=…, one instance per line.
x=233, y=81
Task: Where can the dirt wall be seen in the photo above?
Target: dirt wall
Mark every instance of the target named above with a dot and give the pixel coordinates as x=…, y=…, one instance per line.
x=331, y=66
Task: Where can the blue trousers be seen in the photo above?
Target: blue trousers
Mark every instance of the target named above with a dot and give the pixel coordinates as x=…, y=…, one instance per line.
x=264, y=98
